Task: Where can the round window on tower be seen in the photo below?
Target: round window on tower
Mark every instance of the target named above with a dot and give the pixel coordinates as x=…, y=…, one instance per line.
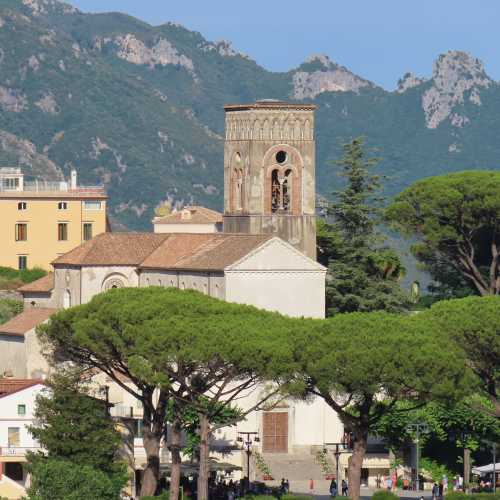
x=281, y=157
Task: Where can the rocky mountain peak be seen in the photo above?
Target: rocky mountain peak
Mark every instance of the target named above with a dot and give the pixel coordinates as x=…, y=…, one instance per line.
x=40, y=7
x=456, y=76
x=320, y=74
x=409, y=81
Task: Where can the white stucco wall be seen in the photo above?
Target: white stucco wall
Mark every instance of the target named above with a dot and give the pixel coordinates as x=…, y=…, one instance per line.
x=12, y=356
x=277, y=277
x=93, y=279
x=212, y=284
x=36, y=364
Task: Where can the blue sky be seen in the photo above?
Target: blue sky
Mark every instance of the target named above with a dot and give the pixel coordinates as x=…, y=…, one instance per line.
x=377, y=39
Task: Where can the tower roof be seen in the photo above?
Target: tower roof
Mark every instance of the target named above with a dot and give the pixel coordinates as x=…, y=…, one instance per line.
x=270, y=104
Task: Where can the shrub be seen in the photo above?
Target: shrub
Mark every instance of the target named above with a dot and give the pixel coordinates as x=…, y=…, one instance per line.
x=55, y=479
x=13, y=278
x=454, y=495
x=9, y=308
x=162, y=496
x=384, y=495
x=296, y=497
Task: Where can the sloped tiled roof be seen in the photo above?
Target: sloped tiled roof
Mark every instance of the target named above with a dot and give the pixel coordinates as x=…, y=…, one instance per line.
x=128, y=249
x=42, y=285
x=11, y=385
x=210, y=251
x=207, y=252
x=191, y=215
x=26, y=321
x=222, y=251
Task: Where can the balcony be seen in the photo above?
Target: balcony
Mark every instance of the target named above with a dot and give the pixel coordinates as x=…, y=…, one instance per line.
x=16, y=451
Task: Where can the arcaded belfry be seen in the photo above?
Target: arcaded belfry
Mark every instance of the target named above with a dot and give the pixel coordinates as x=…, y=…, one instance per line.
x=269, y=172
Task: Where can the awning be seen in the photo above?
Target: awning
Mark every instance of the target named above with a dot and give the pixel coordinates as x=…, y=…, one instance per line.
x=486, y=469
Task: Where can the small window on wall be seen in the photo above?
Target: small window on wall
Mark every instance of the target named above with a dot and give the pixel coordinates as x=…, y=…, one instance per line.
x=87, y=231
x=92, y=205
x=62, y=231
x=14, y=437
x=22, y=262
x=21, y=410
x=62, y=205
x=21, y=232
x=22, y=205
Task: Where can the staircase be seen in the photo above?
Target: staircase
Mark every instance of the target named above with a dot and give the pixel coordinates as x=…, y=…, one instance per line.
x=299, y=467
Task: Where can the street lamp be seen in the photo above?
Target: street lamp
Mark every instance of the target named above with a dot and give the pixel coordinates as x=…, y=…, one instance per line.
x=418, y=428
x=246, y=439
x=342, y=447
x=493, y=446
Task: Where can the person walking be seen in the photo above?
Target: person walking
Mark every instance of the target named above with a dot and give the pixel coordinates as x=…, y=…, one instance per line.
x=435, y=491
x=388, y=483
x=333, y=488
x=345, y=488
x=441, y=490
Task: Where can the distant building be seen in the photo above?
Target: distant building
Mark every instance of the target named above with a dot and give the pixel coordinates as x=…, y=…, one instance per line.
x=17, y=400
x=41, y=220
x=189, y=220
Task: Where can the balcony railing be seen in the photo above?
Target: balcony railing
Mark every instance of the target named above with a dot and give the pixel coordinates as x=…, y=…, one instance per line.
x=17, y=451
x=50, y=187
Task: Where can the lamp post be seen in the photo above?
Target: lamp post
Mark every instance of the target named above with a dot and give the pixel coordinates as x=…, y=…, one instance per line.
x=493, y=446
x=418, y=428
x=342, y=447
x=246, y=439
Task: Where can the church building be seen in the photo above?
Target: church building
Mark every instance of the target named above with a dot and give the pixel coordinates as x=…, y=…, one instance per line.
x=261, y=251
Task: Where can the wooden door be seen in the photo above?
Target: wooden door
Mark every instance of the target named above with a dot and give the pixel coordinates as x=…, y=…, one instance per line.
x=275, y=435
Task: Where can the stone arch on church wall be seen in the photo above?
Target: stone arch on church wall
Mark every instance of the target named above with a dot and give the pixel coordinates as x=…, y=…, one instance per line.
x=114, y=280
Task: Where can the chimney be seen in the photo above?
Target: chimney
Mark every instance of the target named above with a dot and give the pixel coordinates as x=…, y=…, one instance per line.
x=74, y=182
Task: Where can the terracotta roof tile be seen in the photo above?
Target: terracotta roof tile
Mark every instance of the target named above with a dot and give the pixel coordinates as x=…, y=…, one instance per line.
x=207, y=251
x=191, y=215
x=213, y=251
x=128, y=249
x=26, y=321
x=11, y=385
x=45, y=284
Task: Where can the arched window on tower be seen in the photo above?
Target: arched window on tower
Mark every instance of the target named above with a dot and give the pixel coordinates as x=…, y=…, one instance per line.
x=281, y=185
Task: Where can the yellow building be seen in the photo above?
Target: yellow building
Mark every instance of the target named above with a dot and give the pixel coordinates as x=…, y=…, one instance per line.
x=39, y=220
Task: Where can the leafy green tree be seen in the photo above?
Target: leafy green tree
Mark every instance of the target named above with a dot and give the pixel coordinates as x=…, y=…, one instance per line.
x=362, y=274
x=58, y=479
x=473, y=323
x=364, y=364
x=171, y=344
x=72, y=424
x=456, y=218
x=452, y=428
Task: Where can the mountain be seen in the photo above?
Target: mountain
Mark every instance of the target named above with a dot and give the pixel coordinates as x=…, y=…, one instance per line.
x=140, y=108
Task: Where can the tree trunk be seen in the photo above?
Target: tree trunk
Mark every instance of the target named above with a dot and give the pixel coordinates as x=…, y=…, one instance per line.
x=466, y=469
x=151, y=474
x=175, y=450
x=204, y=465
x=355, y=463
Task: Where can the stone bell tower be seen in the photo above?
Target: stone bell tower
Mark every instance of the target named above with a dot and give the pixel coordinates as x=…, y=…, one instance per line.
x=269, y=172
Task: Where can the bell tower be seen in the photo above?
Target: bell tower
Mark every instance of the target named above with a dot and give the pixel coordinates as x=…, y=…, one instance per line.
x=269, y=172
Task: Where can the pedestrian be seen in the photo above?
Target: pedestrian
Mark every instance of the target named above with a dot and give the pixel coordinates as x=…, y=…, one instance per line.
x=333, y=488
x=283, y=486
x=388, y=483
x=345, y=488
x=441, y=490
x=311, y=486
x=435, y=491
x=287, y=485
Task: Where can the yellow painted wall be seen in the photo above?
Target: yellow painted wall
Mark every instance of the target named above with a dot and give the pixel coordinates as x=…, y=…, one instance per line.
x=42, y=216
